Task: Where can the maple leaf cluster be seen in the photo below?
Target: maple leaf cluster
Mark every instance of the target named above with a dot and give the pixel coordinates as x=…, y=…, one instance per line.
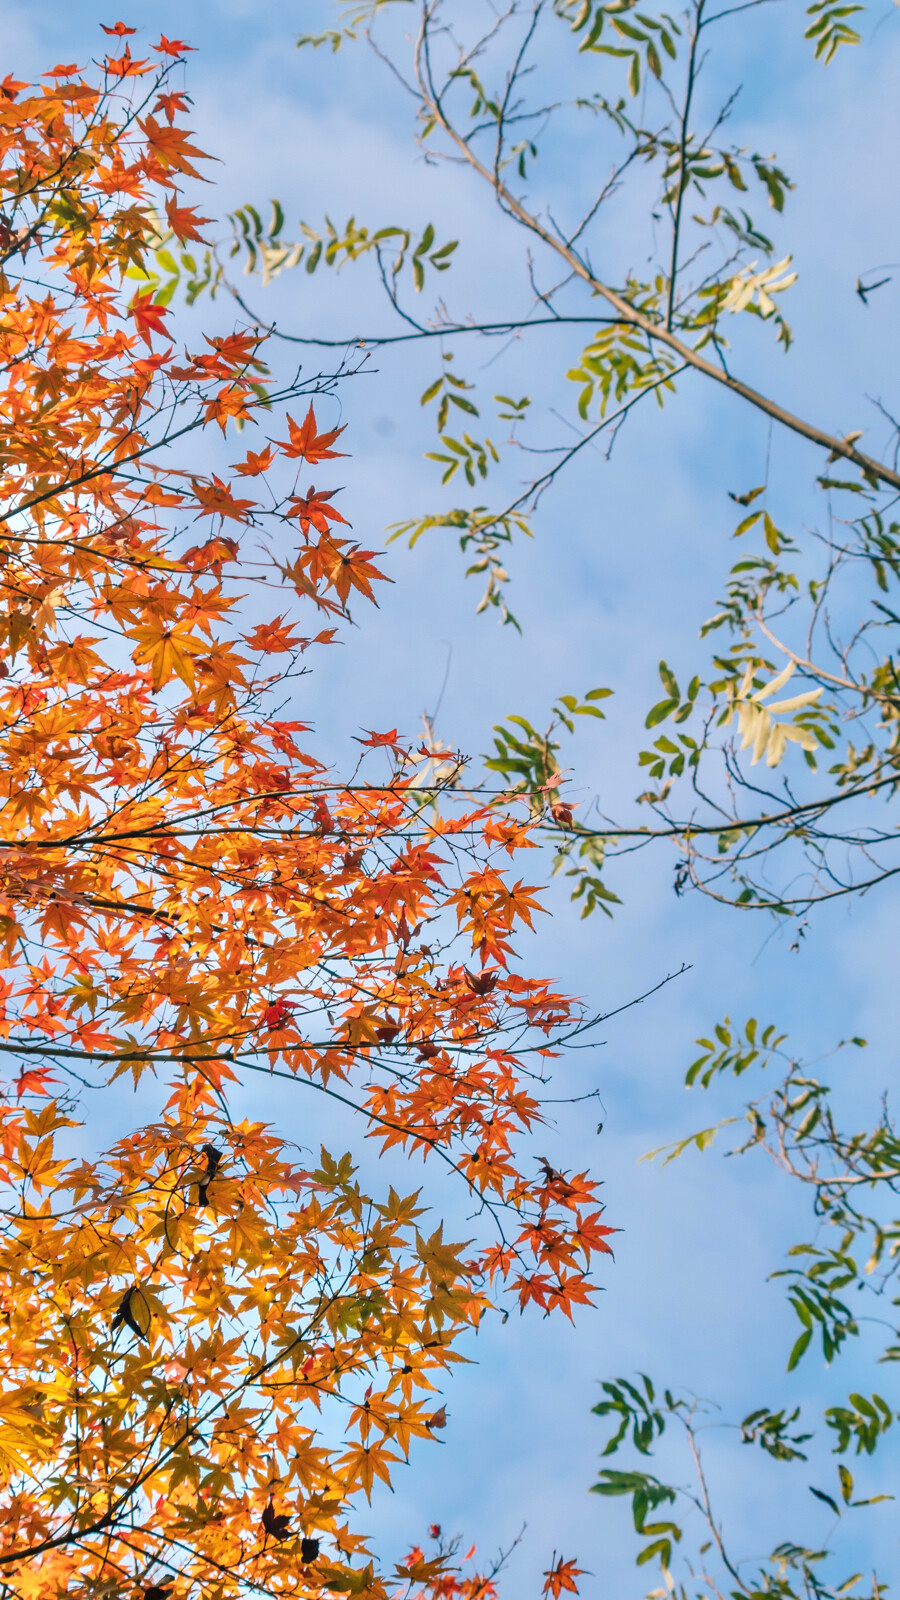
x=189, y=1322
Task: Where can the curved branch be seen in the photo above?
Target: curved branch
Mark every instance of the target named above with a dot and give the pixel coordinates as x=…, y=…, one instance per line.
x=873, y=470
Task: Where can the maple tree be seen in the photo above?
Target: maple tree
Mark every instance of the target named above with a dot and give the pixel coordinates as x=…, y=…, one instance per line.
x=211, y=1347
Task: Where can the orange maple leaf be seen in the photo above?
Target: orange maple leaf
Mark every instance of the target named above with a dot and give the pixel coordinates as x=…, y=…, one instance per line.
x=169, y=651
x=313, y=510
x=211, y=556
x=562, y=1575
x=183, y=220
x=170, y=103
x=172, y=47
x=255, y=462
x=171, y=148
x=124, y=66
x=274, y=638
x=235, y=350
x=307, y=443
x=217, y=500
x=593, y=1233
x=231, y=401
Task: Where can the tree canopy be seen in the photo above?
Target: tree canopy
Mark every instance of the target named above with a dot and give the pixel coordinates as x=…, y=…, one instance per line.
x=211, y=1347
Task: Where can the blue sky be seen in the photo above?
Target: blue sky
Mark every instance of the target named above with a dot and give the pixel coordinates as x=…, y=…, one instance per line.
x=628, y=557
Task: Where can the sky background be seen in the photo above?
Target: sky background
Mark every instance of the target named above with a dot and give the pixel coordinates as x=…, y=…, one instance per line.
x=629, y=557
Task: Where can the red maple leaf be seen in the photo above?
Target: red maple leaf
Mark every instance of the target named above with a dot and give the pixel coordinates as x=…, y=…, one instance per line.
x=376, y=739
x=148, y=316
x=277, y=1014
x=118, y=29
x=322, y=816
x=306, y=442
x=34, y=1080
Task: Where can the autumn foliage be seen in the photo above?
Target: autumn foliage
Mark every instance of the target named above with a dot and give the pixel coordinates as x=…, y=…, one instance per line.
x=211, y=1345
